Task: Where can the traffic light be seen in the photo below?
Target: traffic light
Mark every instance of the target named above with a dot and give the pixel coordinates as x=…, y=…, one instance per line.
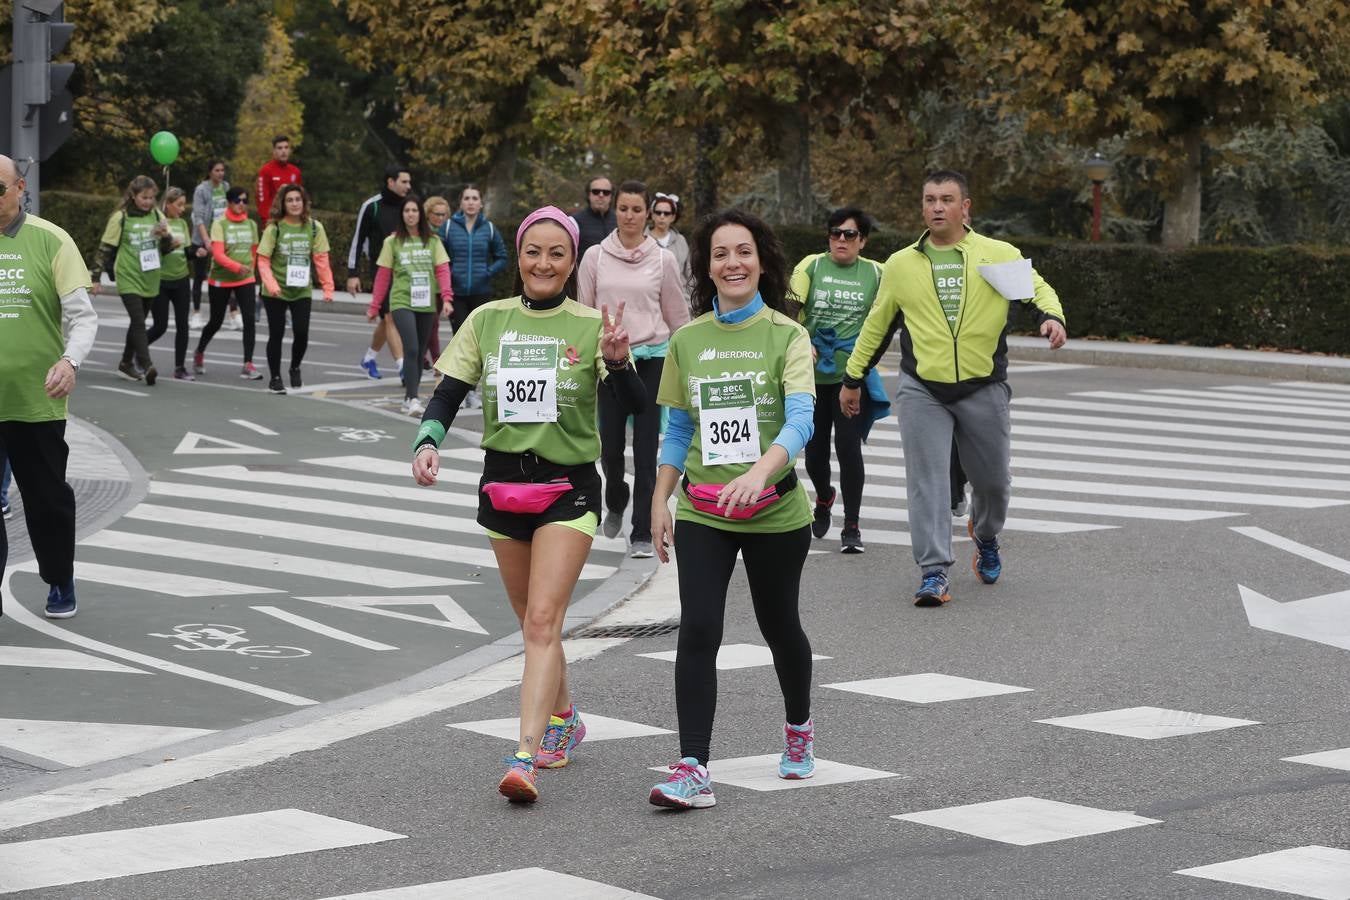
x=41, y=109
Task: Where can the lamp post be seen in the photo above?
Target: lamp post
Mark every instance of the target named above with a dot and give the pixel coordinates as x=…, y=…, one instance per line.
x=1098, y=168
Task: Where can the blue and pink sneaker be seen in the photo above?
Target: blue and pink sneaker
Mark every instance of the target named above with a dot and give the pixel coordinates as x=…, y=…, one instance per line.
x=798, y=759
x=518, y=784
x=688, y=787
x=561, y=737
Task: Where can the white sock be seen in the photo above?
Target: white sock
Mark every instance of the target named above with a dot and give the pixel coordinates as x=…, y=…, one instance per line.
x=370, y=354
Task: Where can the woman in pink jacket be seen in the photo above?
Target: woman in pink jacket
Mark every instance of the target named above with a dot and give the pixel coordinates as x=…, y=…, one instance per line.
x=630, y=266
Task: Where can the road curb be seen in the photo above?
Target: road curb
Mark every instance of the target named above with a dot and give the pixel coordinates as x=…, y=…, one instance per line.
x=1213, y=360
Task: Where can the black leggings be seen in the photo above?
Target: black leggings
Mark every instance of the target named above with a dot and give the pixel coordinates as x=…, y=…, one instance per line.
x=773, y=565
x=172, y=292
x=137, y=347
x=200, y=265
x=276, y=330
x=646, y=435
x=463, y=306
x=847, y=446
x=414, y=330
x=220, y=299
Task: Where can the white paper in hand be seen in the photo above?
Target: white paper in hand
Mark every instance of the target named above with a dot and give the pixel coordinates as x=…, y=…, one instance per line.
x=1011, y=279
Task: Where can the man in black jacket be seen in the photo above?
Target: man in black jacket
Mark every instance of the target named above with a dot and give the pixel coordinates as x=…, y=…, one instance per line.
x=378, y=218
x=596, y=221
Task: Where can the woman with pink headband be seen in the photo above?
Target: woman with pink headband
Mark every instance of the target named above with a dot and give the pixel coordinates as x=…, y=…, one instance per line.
x=541, y=356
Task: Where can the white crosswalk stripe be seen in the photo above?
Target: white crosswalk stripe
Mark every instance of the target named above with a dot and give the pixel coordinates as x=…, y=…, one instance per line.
x=1129, y=456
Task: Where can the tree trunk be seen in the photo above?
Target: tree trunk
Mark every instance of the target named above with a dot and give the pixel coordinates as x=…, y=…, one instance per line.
x=1181, y=211
x=706, y=140
x=501, y=192
x=795, y=202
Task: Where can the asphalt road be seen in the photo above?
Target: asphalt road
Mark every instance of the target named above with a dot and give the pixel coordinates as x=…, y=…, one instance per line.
x=1176, y=568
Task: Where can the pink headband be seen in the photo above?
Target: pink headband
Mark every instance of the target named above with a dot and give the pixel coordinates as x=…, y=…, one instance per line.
x=552, y=214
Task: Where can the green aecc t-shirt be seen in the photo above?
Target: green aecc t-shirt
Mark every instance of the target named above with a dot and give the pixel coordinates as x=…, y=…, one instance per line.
x=291, y=249
x=414, y=262
x=137, y=270
x=174, y=265
x=773, y=354
x=574, y=330
x=949, y=278
x=38, y=266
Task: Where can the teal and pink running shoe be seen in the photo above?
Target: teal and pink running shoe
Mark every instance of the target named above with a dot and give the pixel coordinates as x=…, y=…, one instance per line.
x=561, y=737
x=799, y=758
x=688, y=787
x=518, y=784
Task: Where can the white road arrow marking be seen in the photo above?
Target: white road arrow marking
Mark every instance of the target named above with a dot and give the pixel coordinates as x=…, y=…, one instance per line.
x=1324, y=619
x=454, y=614
x=193, y=442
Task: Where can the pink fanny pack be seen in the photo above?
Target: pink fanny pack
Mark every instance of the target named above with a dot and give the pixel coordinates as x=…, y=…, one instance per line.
x=703, y=497
x=525, y=497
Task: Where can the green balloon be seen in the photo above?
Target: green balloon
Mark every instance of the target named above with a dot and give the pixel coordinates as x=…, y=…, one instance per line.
x=164, y=147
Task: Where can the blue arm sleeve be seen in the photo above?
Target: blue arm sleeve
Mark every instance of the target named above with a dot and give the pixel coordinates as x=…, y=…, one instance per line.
x=679, y=436
x=800, y=424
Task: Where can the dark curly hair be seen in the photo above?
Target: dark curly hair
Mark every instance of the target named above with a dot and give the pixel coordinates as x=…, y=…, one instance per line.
x=773, y=267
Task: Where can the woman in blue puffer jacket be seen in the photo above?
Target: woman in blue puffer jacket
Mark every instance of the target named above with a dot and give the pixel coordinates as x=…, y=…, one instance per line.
x=477, y=253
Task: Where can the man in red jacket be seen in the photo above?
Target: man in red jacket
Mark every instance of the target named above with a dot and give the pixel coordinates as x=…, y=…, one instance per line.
x=276, y=173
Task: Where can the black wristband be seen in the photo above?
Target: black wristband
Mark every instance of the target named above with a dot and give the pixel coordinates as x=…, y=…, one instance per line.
x=612, y=366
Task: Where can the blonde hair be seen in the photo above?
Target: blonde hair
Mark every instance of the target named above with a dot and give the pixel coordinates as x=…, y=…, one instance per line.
x=436, y=200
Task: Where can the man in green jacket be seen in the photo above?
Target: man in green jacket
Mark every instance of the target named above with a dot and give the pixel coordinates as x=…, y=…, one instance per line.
x=948, y=295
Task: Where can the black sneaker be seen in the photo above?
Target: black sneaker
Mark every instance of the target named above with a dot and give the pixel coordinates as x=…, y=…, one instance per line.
x=127, y=371
x=820, y=519
x=151, y=374
x=850, y=539
x=275, y=385
x=295, y=377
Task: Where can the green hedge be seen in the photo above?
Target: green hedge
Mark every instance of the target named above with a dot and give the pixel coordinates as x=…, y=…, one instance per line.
x=1292, y=298
x=1288, y=298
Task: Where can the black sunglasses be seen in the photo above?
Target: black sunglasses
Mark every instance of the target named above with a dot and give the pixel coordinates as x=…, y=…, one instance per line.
x=848, y=234
x=601, y=192
x=662, y=212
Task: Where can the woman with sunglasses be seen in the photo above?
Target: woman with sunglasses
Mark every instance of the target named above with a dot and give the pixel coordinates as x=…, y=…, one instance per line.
x=294, y=249
x=837, y=288
x=740, y=390
x=665, y=213
x=411, y=260
x=234, y=248
x=542, y=356
x=133, y=244
x=629, y=266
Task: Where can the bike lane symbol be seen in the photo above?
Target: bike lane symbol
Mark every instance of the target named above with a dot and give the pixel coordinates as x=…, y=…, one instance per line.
x=227, y=638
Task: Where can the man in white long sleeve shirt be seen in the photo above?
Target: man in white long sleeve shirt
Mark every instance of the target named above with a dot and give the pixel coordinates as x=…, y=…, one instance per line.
x=47, y=327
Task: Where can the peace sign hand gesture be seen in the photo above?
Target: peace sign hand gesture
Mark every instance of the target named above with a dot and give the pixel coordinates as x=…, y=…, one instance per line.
x=614, y=337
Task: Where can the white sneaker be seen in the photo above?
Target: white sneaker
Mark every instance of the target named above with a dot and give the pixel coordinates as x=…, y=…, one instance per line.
x=195, y=323
x=236, y=322
x=412, y=407
x=472, y=400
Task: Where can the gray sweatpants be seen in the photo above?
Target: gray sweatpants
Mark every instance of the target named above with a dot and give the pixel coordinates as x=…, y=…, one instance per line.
x=982, y=429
